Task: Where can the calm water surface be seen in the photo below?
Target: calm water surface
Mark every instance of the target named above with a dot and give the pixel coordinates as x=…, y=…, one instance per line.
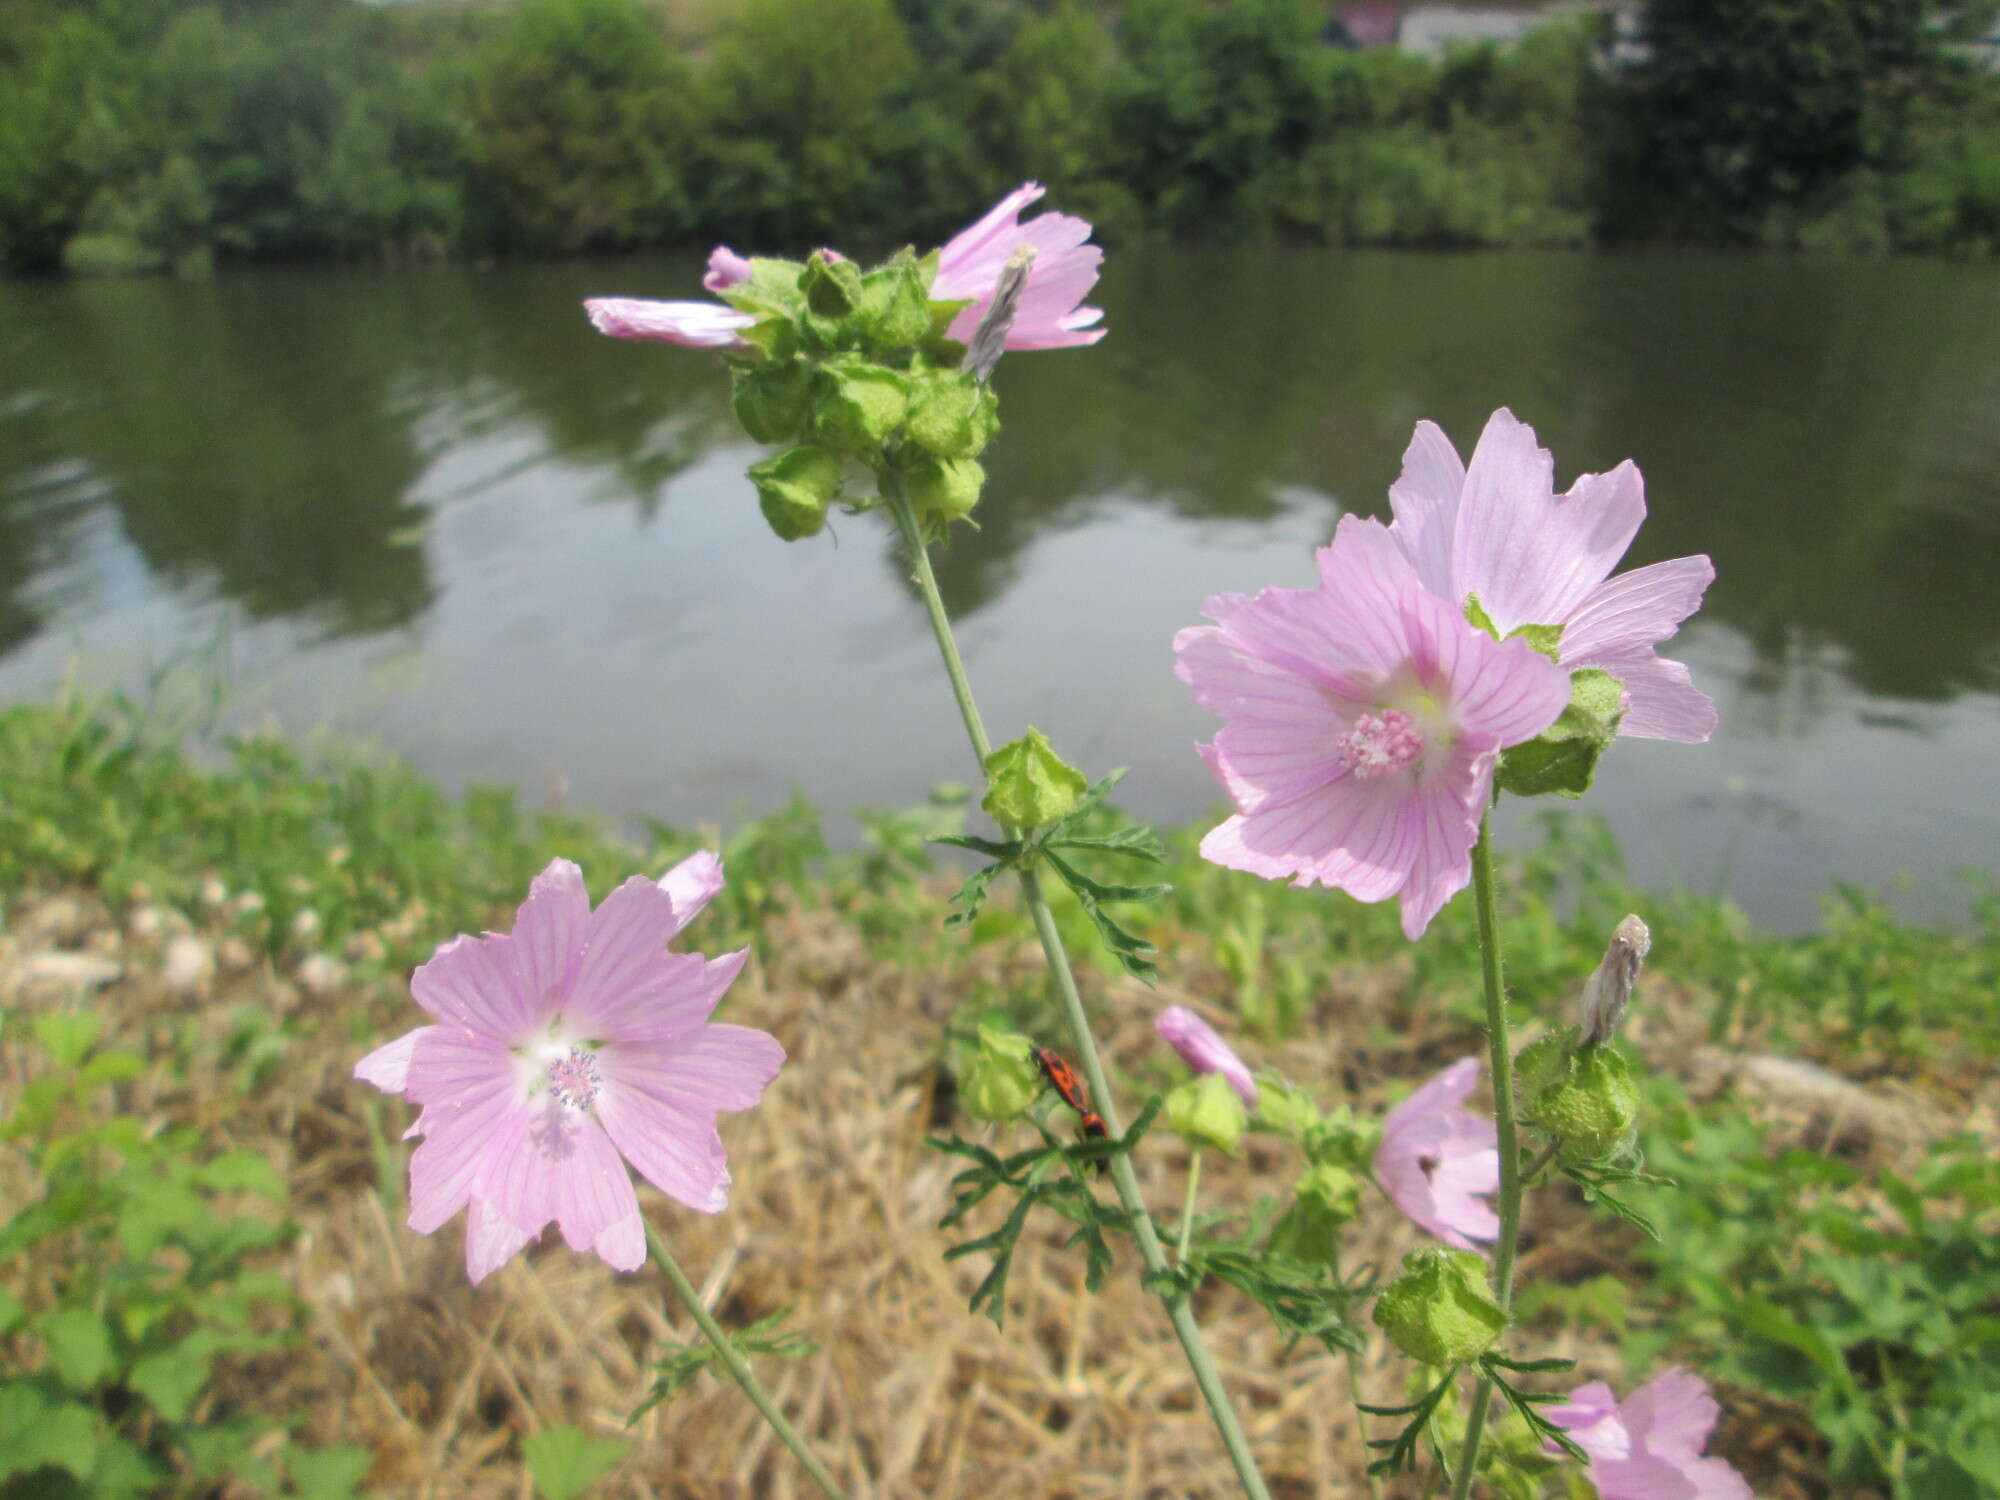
x=433, y=510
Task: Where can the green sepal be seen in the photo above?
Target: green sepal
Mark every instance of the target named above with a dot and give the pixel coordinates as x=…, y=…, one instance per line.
x=1441, y=1310
x=1547, y=639
x=774, y=287
x=943, y=490
x=1563, y=758
x=895, y=302
x=856, y=405
x=832, y=287
x=1028, y=784
x=951, y=414
x=1343, y=1139
x=1003, y=1080
x=1205, y=1110
x=772, y=403
x=794, y=489
x=1477, y=618
x=939, y=347
x=1324, y=1200
x=1593, y=1108
x=1285, y=1109
x=1544, y=1062
x=770, y=339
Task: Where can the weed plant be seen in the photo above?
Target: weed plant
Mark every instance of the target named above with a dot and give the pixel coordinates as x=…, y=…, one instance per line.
x=1852, y=1284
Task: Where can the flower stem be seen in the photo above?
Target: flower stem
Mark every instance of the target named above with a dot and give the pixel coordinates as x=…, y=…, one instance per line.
x=733, y=1361
x=1501, y=1054
x=1187, y=1207
x=1354, y=1387
x=1123, y=1179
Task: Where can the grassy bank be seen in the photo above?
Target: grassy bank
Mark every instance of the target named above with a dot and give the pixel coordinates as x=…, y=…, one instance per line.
x=204, y=1274
x=151, y=134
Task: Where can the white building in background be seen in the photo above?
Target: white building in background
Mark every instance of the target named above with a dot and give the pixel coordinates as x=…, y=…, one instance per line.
x=1429, y=27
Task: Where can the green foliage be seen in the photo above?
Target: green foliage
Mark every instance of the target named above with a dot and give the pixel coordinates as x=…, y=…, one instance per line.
x=1866, y=1297
x=1073, y=833
x=678, y=1368
x=138, y=1262
x=1745, y=113
x=565, y=1462
x=582, y=121
x=140, y=134
x=1031, y=1176
x=797, y=123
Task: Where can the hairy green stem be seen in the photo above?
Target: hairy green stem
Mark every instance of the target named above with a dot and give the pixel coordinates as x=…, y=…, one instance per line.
x=1501, y=1054
x=733, y=1361
x=1187, y=1207
x=1123, y=1179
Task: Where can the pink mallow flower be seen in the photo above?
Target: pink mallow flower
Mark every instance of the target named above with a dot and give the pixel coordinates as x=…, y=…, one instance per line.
x=969, y=267
x=1364, y=720
x=1648, y=1447
x=558, y=1047
x=1064, y=270
x=1202, y=1048
x=1498, y=529
x=1438, y=1158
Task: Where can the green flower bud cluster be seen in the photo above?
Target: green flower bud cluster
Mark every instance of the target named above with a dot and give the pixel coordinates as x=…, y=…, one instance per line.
x=1001, y=1080
x=1441, y=1310
x=1582, y=1095
x=852, y=367
x=1028, y=785
x=1324, y=1200
x=1206, y=1111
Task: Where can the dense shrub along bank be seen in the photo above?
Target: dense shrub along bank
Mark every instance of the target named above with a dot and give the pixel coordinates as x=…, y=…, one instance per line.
x=139, y=134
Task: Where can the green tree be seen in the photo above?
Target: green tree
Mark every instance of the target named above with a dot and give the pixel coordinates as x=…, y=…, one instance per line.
x=1214, y=106
x=800, y=120
x=1745, y=105
x=580, y=123
x=51, y=111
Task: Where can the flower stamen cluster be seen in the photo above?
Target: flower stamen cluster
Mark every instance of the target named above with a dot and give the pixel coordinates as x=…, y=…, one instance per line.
x=1380, y=743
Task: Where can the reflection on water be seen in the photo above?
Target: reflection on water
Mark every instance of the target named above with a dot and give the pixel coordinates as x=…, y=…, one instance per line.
x=435, y=509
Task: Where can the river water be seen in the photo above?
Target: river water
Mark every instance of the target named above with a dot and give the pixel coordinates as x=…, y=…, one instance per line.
x=432, y=511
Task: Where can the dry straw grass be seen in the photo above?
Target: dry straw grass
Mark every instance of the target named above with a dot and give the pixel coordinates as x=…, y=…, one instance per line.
x=834, y=1211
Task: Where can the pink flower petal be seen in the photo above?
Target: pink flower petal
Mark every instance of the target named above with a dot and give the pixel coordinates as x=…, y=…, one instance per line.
x=622, y=1245
x=1649, y=1446
x=1064, y=270
x=989, y=240
x=1672, y=1413
x=1436, y=1156
x=692, y=884
x=1424, y=501
x=491, y=1240
x=518, y=1125
x=1617, y=629
x=563, y=1168
x=471, y=984
x=725, y=269
x=1202, y=1048
x=1530, y=555
x=625, y=972
x=465, y=1143
x=719, y=1067
x=388, y=1066
x=1443, y=820
x=1591, y=1418
x=693, y=325
x=1662, y=702
x=1639, y=608
x=1351, y=834
x=678, y=1150
x=1502, y=693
